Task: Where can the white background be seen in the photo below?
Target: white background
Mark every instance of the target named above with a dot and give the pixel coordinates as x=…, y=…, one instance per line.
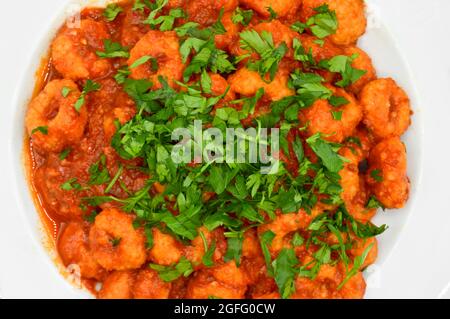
x=419, y=267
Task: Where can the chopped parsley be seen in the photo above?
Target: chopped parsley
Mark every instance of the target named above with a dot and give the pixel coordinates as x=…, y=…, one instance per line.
x=113, y=50
x=173, y=272
x=89, y=87
x=41, y=129
x=242, y=16
x=112, y=11
x=263, y=45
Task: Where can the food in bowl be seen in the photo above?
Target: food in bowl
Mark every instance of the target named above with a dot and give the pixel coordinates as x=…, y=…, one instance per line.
x=217, y=149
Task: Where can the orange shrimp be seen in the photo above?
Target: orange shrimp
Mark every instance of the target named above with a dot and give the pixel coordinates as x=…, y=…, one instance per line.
x=387, y=174
x=114, y=242
x=60, y=123
x=387, y=110
x=74, y=51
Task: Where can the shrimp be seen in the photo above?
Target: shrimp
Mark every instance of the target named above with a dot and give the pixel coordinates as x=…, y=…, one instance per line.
x=281, y=7
x=162, y=46
x=349, y=175
x=74, y=51
x=224, y=41
x=359, y=247
x=225, y=281
x=354, y=192
x=133, y=28
x=148, y=285
x=320, y=117
x=247, y=83
x=196, y=250
x=386, y=106
x=60, y=123
x=350, y=15
x=118, y=285
x=361, y=62
x=284, y=224
x=206, y=12
x=114, y=242
x=325, y=285
x=166, y=250
x=387, y=175
x=73, y=249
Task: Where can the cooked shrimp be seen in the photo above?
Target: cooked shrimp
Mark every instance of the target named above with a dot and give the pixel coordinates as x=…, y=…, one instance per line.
x=206, y=12
x=226, y=281
x=350, y=15
x=114, y=242
x=224, y=41
x=162, y=46
x=55, y=113
x=362, y=62
x=248, y=82
x=354, y=193
x=285, y=224
x=360, y=246
x=74, y=51
x=325, y=285
x=148, y=285
x=320, y=117
x=349, y=175
x=133, y=28
x=387, y=110
x=118, y=285
x=387, y=161
x=73, y=249
x=327, y=50
x=166, y=249
x=357, y=205
x=281, y=7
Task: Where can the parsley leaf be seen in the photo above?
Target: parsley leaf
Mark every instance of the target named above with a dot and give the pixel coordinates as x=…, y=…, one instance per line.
x=113, y=50
x=270, y=56
x=89, y=87
x=112, y=11
x=284, y=272
x=41, y=129
x=324, y=150
x=182, y=268
x=242, y=16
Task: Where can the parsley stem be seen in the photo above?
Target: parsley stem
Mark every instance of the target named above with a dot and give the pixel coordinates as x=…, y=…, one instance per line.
x=114, y=180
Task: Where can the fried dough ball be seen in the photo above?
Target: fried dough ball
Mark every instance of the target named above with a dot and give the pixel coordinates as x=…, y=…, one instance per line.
x=350, y=15
x=74, y=249
x=362, y=62
x=74, y=51
x=281, y=7
x=319, y=117
x=52, y=120
x=386, y=106
x=165, y=48
x=114, y=242
x=387, y=174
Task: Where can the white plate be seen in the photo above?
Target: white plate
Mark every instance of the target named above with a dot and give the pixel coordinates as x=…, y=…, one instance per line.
x=414, y=259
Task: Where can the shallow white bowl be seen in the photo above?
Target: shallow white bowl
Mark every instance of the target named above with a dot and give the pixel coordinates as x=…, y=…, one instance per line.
x=389, y=62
